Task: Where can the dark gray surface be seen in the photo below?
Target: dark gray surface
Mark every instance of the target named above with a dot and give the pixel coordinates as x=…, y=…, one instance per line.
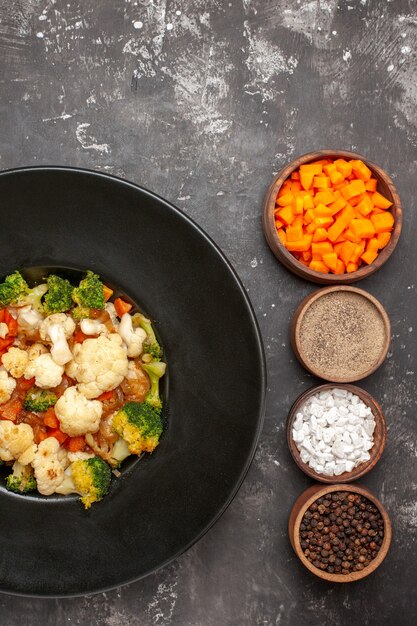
x=202, y=101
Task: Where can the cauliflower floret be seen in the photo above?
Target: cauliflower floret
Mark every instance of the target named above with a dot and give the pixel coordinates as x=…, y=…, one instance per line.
x=16, y=442
x=99, y=364
x=80, y=456
x=4, y=329
x=92, y=327
x=49, y=464
x=133, y=338
x=29, y=320
x=15, y=361
x=76, y=414
x=36, y=350
x=46, y=372
x=57, y=328
x=7, y=386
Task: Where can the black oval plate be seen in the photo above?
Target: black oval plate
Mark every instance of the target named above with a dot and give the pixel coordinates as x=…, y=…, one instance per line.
x=64, y=217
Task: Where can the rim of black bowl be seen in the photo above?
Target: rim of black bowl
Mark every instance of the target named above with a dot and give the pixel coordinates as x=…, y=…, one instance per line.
x=263, y=372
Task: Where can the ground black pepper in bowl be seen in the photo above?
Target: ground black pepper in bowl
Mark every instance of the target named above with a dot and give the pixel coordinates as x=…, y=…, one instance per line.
x=341, y=532
x=340, y=333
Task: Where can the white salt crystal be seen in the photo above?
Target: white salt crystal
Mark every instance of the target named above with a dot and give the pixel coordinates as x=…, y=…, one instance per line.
x=297, y=435
x=333, y=431
x=316, y=410
x=339, y=393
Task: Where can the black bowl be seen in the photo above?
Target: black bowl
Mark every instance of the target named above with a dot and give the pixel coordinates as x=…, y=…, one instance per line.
x=69, y=218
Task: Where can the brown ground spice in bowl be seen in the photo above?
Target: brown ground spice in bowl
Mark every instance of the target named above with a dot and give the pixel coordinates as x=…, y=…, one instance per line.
x=342, y=336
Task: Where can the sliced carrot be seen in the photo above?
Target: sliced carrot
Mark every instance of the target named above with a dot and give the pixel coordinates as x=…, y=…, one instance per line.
x=336, y=178
x=23, y=384
x=383, y=223
x=122, y=307
x=51, y=419
x=358, y=251
x=330, y=259
x=323, y=211
x=324, y=197
x=79, y=336
x=380, y=202
x=354, y=188
x=41, y=435
x=308, y=202
x=365, y=206
x=319, y=266
x=362, y=228
x=383, y=239
x=75, y=444
x=346, y=251
x=5, y=345
x=320, y=234
x=318, y=249
x=340, y=267
x=372, y=244
x=285, y=200
x=58, y=434
x=282, y=235
x=343, y=167
x=329, y=168
x=309, y=216
x=284, y=215
x=107, y=395
x=107, y=292
x=316, y=168
x=321, y=182
x=297, y=205
x=350, y=236
x=369, y=256
x=11, y=409
x=371, y=184
x=299, y=246
x=361, y=170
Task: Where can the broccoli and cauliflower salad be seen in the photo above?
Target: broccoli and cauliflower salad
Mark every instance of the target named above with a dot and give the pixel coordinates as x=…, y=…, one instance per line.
x=79, y=385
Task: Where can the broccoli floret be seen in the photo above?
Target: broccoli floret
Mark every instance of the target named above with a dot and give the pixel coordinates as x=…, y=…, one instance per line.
x=90, y=293
x=12, y=289
x=80, y=312
x=155, y=370
x=89, y=478
x=22, y=479
x=34, y=297
x=39, y=400
x=140, y=425
x=150, y=345
x=59, y=296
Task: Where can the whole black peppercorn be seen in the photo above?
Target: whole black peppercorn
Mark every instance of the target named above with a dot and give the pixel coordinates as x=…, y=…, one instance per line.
x=341, y=533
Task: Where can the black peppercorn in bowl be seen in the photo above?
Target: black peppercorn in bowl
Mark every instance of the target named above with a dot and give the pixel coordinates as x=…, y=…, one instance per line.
x=341, y=533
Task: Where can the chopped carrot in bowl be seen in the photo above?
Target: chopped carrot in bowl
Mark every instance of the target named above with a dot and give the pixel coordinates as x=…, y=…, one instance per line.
x=331, y=217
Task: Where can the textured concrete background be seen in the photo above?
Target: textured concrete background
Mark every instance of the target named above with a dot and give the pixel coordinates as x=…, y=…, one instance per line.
x=202, y=101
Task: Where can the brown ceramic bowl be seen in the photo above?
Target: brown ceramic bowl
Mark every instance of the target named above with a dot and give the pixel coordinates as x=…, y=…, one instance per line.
x=385, y=186
x=301, y=353
x=307, y=498
x=380, y=435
